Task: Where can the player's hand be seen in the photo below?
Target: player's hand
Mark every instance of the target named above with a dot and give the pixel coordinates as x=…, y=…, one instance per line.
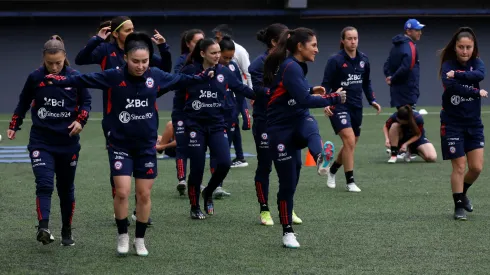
x=318, y=90
x=403, y=148
x=377, y=107
x=159, y=139
x=11, y=134
x=387, y=143
x=483, y=93
x=104, y=32
x=342, y=94
x=450, y=74
x=328, y=111
x=76, y=128
x=209, y=72
x=158, y=38
x=388, y=80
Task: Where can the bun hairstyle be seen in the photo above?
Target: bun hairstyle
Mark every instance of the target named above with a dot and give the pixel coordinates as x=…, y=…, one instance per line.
x=138, y=41
x=55, y=45
x=272, y=32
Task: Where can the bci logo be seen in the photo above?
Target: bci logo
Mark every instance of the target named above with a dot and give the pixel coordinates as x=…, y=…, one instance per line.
x=54, y=102
x=208, y=94
x=136, y=103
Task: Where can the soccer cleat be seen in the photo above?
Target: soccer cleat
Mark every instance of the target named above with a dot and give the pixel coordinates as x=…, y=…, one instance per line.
x=296, y=219
x=392, y=159
x=325, y=159
x=134, y=218
x=123, y=244
x=66, y=238
x=139, y=246
x=352, y=187
x=237, y=163
x=459, y=214
x=196, y=214
x=266, y=218
x=407, y=157
x=467, y=204
x=401, y=155
x=208, y=204
x=220, y=193
x=181, y=187
x=289, y=240
x=44, y=236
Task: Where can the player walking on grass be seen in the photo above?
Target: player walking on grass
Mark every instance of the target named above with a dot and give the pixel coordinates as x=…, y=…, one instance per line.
x=270, y=37
x=462, y=137
x=290, y=127
x=132, y=129
x=349, y=69
x=110, y=55
x=205, y=123
x=404, y=131
x=58, y=116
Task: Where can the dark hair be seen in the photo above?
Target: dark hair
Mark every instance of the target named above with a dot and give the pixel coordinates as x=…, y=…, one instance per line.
x=102, y=25
x=449, y=53
x=201, y=45
x=272, y=32
x=138, y=41
x=55, y=45
x=224, y=29
x=117, y=22
x=187, y=37
x=226, y=44
x=342, y=34
x=406, y=113
x=288, y=43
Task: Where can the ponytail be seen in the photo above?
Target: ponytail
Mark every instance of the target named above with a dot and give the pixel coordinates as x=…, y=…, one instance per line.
x=201, y=46
x=406, y=113
x=53, y=46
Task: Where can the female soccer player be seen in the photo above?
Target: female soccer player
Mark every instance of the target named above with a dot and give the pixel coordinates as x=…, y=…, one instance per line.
x=348, y=69
x=111, y=56
x=270, y=37
x=58, y=116
x=205, y=122
x=462, y=137
x=133, y=125
x=187, y=43
x=290, y=127
x=166, y=142
x=404, y=131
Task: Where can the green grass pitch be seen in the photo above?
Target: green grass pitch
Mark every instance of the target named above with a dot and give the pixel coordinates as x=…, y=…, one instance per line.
x=401, y=222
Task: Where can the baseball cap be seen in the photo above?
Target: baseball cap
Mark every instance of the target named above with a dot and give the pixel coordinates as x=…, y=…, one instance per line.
x=413, y=24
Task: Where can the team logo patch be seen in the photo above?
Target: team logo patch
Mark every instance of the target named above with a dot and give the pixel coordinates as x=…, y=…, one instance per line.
x=149, y=82
x=180, y=123
x=264, y=136
x=452, y=149
x=344, y=121
x=220, y=78
x=192, y=134
x=281, y=147
x=118, y=165
x=361, y=64
x=35, y=154
x=232, y=67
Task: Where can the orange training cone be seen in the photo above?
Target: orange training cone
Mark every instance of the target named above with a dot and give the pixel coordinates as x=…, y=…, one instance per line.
x=309, y=159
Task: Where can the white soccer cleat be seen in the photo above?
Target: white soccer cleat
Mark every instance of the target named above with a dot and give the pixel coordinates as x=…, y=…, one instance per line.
x=392, y=159
x=139, y=246
x=352, y=187
x=289, y=240
x=123, y=244
x=330, y=180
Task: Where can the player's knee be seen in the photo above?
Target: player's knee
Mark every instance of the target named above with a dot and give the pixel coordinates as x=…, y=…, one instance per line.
x=475, y=169
x=349, y=142
x=432, y=157
x=44, y=186
x=122, y=193
x=143, y=196
x=459, y=168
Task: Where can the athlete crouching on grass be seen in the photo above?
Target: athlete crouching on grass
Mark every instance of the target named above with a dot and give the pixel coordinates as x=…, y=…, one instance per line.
x=133, y=127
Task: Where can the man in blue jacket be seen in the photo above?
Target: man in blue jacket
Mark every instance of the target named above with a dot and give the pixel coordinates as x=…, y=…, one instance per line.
x=402, y=69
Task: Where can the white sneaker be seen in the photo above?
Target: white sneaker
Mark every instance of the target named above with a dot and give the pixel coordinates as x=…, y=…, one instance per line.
x=330, y=180
x=407, y=157
x=220, y=193
x=401, y=155
x=139, y=246
x=392, y=159
x=289, y=240
x=123, y=244
x=352, y=187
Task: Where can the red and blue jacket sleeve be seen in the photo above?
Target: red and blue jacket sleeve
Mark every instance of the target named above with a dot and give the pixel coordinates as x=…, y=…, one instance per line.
x=407, y=64
x=476, y=75
x=170, y=82
x=366, y=84
x=452, y=85
x=100, y=80
x=237, y=85
x=295, y=83
x=24, y=104
x=164, y=61
x=93, y=53
x=84, y=104
x=392, y=119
